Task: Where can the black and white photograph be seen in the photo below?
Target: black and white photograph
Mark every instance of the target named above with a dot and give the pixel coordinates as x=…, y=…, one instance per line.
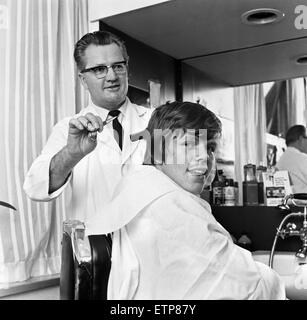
x=153, y=152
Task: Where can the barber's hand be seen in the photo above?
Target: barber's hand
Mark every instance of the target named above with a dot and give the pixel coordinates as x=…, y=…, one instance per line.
x=82, y=134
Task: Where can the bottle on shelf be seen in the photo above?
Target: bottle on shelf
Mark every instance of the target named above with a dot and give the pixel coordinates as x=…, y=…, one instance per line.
x=250, y=185
x=217, y=189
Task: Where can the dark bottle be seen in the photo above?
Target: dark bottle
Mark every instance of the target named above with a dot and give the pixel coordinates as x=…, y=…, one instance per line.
x=250, y=186
x=217, y=189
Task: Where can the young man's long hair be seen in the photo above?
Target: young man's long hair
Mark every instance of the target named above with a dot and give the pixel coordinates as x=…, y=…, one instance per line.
x=178, y=116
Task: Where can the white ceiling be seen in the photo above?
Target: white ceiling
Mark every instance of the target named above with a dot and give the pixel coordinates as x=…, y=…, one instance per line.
x=98, y=9
x=209, y=35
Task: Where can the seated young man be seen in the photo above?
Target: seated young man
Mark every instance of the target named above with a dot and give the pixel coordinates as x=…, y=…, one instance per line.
x=166, y=242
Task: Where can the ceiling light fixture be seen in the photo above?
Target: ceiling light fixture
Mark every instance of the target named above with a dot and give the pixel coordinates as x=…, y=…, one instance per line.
x=301, y=59
x=261, y=16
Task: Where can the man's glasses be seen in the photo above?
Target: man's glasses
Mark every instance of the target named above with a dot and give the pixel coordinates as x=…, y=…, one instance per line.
x=102, y=70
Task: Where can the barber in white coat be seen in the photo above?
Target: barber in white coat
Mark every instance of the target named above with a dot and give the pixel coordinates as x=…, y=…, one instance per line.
x=82, y=153
x=166, y=242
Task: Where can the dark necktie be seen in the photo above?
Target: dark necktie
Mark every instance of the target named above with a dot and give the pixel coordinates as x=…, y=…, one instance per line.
x=117, y=127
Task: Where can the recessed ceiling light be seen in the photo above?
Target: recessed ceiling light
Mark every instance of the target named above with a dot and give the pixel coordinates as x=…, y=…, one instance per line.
x=261, y=16
x=301, y=59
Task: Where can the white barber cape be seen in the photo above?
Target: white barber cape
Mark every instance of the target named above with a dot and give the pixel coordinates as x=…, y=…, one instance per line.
x=168, y=245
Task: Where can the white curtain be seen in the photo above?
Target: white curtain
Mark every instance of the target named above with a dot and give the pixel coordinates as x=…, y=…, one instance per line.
x=296, y=102
x=37, y=88
x=154, y=93
x=250, y=128
x=286, y=105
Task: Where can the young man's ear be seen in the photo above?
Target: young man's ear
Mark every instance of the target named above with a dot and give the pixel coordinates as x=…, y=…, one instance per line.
x=301, y=139
x=83, y=81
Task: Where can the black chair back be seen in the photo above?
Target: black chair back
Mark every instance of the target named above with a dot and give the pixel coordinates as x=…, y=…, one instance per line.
x=85, y=265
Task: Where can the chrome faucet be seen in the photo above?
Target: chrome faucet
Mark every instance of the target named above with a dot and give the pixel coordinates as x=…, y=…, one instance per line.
x=298, y=200
x=302, y=252
x=288, y=231
x=291, y=230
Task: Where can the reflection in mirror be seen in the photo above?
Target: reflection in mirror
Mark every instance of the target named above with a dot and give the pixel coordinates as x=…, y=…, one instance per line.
x=285, y=102
x=278, y=107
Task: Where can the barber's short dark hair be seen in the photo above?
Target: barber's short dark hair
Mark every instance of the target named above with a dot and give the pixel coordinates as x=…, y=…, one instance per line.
x=294, y=133
x=183, y=116
x=98, y=38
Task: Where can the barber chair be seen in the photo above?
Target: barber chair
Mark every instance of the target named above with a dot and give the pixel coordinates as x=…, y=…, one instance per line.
x=86, y=263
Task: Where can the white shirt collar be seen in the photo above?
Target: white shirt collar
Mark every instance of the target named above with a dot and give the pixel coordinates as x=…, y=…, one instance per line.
x=103, y=113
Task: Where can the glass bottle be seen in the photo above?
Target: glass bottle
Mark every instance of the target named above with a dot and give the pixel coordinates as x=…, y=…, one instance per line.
x=217, y=189
x=250, y=186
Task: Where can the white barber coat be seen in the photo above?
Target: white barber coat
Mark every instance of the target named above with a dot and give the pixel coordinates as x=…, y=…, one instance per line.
x=295, y=162
x=95, y=177
x=168, y=245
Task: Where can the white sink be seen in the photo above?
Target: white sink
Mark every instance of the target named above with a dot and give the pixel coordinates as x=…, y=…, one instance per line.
x=292, y=270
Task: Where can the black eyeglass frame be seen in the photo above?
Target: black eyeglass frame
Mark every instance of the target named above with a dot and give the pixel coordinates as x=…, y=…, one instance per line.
x=92, y=69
